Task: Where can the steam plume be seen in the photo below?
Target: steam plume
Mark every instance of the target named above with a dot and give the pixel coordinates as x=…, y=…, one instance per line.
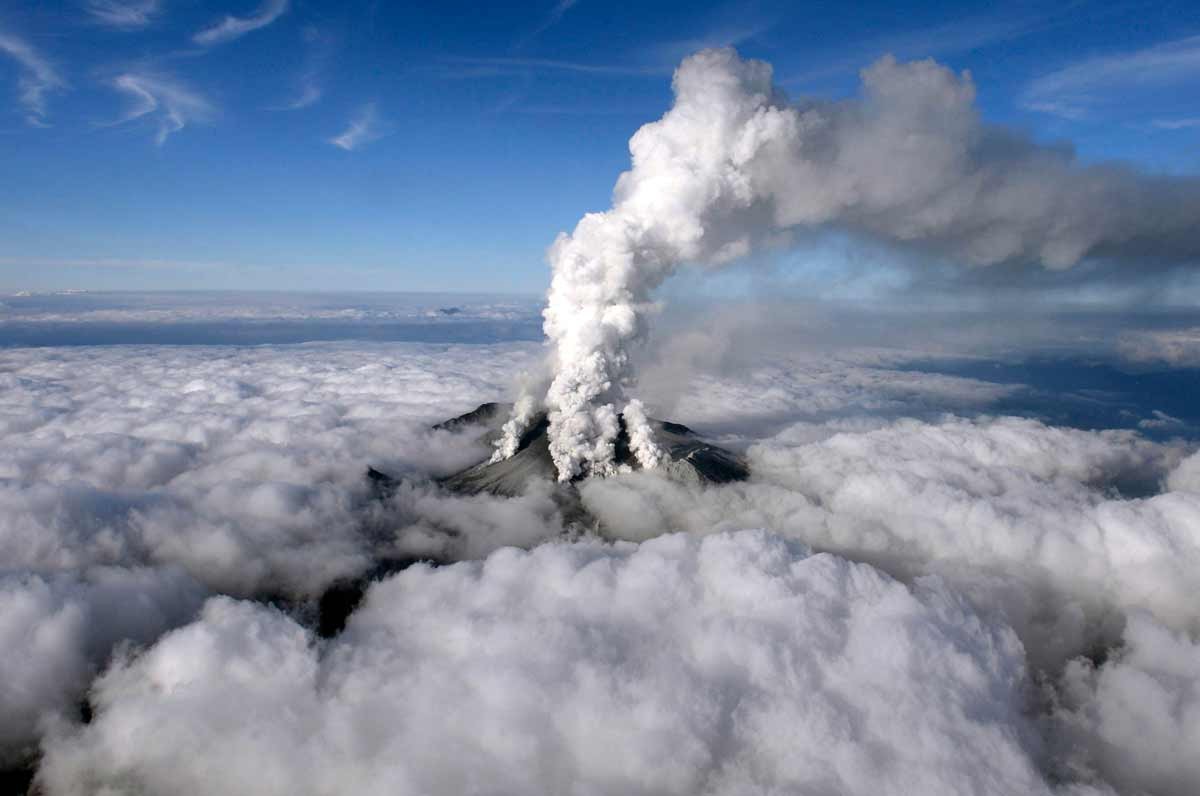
x=733, y=166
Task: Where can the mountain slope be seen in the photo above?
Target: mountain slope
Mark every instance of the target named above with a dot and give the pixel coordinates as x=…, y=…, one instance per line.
x=690, y=458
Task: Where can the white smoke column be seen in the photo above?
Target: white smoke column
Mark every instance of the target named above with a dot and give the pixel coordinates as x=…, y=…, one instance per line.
x=606, y=269
x=524, y=411
x=732, y=166
x=641, y=435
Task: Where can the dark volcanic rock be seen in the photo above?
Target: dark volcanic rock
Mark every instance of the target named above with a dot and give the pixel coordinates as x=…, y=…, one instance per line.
x=17, y=781
x=690, y=459
x=484, y=414
x=335, y=605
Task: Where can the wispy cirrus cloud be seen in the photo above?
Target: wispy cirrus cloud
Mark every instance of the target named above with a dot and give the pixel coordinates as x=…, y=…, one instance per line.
x=107, y=263
x=232, y=27
x=310, y=84
x=38, y=77
x=123, y=14
x=474, y=66
x=1077, y=89
x=170, y=103
x=561, y=7
x=959, y=35
x=671, y=52
x=1175, y=124
x=310, y=94
x=364, y=128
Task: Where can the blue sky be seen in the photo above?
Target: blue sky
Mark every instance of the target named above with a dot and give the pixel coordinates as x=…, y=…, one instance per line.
x=384, y=146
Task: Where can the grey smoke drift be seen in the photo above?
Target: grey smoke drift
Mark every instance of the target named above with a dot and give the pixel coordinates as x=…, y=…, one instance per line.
x=733, y=167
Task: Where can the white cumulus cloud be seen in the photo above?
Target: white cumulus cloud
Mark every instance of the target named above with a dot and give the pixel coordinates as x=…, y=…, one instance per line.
x=1135, y=719
x=244, y=466
x=1026, y=518
x=733, y=664
x=136, y=480
x=57, y=631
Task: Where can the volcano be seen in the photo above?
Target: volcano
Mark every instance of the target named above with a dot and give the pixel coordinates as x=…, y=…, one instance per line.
x=688, y=457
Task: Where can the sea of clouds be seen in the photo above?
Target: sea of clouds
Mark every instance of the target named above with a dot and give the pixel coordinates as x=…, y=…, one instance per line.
x=912, y=593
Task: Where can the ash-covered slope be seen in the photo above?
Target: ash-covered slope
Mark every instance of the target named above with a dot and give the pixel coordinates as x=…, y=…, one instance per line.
x=690, y=458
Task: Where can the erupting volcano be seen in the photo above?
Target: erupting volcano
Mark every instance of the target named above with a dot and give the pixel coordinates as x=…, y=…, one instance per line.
x=684, y=456
x=734, y=167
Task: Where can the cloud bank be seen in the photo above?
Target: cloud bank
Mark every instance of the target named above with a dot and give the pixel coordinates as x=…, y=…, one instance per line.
x=1135, y=719
x=134, y=482
x=58, y=630
x=992, y=552
x=733, y=664
x=1174, y=347
x=243, y=466
x=1027, y=519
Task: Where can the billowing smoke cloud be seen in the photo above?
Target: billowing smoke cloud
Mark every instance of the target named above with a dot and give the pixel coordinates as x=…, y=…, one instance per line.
x=733, y=664
x=732, y=166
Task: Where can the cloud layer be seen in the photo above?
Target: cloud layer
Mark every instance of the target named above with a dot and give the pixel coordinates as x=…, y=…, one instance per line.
x=135, y=482
x=731, y=664
x=1135, y=719
x=58, y=630
x=244, y=466
x=150, y=477
x=1022, y=516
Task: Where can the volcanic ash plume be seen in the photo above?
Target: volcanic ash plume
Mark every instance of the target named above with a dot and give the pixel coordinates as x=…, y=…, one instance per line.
x=733, y=166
